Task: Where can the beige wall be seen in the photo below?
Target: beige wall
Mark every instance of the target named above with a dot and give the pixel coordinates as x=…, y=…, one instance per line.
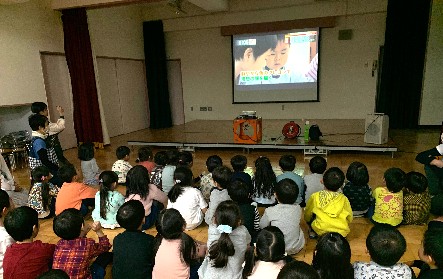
x=117, y=32
x=347, y=88
x=25, y=30
x=431, y=112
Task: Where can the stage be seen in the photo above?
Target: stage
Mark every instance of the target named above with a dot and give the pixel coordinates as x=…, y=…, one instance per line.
x=338, y=135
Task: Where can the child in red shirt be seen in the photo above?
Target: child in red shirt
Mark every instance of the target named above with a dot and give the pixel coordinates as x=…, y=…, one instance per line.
x=25, y=258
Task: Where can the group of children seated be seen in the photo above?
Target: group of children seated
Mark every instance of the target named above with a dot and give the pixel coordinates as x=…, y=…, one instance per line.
x=162, y=191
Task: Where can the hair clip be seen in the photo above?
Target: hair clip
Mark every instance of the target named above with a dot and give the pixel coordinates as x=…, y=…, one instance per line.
x=100, y=181
x=224, y=229
x=177, y=181
x=43, y=177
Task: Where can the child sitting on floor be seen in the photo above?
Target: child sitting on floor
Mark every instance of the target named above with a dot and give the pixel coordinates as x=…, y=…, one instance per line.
x=329, y=210
x=206, y=182
x=264, y=183
x=186, y=199
x=133, y=249
x=228, y=240
x=176, y=253
x=386, y=245
x=239, y=163
x=145, y=158
x=73, y=194
x=389, y=200
x=139, y=188
x=239, y=192
x=43, y=193
x=286, y=193
x=357, y=189
x=74, y=252
x=107, y=201
x=5, y=239
x=160, y=160
x=416, y=199
x=313, y=181
x=287, y=165
x=25, y=259
x=268, y=257
x=122, y=166
x=90, y=169
x=222, y=178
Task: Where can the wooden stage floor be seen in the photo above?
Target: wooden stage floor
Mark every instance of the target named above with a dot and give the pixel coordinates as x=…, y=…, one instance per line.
x=338, y=134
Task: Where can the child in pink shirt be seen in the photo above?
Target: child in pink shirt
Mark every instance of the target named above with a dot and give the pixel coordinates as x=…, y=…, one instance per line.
x=176, y=253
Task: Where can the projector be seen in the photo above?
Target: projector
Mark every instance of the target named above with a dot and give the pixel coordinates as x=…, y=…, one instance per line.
x=248, y=114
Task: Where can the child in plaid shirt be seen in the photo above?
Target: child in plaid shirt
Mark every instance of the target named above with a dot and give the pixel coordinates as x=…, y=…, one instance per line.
x=416, y=199
x=74, y=252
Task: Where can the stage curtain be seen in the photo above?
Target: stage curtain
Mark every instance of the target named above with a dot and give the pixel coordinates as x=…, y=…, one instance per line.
x=87, y=122
x=406, y=36
x=156, y=75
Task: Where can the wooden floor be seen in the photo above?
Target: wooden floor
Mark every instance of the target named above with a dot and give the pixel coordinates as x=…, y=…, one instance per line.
x=409, y=142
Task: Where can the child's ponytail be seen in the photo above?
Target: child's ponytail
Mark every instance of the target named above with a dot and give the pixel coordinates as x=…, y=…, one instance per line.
x=106, y=180
x=227, y=218
x=41, y=174
x=183, y=178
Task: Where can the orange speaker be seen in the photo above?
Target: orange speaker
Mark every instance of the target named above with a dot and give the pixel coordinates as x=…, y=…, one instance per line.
x=247, y=130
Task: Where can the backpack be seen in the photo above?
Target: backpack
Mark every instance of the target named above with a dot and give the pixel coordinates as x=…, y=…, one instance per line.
x=315, y=133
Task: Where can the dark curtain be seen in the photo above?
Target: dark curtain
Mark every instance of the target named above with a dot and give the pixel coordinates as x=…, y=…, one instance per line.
x=87, y=124
x=403, y=62
x=156, y=75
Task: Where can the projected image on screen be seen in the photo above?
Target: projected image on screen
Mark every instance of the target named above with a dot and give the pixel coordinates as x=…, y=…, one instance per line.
x=280, y=67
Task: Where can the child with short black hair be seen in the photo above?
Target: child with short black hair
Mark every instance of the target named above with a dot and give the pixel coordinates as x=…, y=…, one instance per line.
x=133, y=249
x=40, y=154
x=239, y=163
x=357, y=189
x=43, y=193
x=239, y=192
x=26, y=258
x=176, y=253
x=90, y=169
x=5, y=239
x=186, y=199
x=332, y=257
x=329, y=210
x=222, y=177
x=160, y=160
x=298, y=269
x=286, y=193
x=267, y=256
x=228, y=240
x=206, y=182
x=107, y=201
x=185, y=159
x=431, y=253
x=145, y=158
x=389, y=199
x=74, y=252
x=73, y=194
x=287, y=164
x=264, y=182
x=313, y=181
x=169, y=169
x=122, y=166
x=386, y=245
x=416, y=199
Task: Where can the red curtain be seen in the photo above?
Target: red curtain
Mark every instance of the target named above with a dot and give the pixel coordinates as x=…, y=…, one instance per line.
x=87, y=123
